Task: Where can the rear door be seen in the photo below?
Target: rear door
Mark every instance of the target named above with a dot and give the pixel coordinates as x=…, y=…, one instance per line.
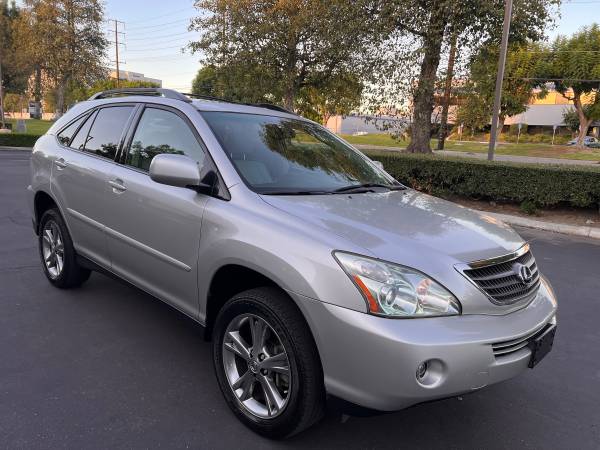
x=80, y=176
x=153, y=230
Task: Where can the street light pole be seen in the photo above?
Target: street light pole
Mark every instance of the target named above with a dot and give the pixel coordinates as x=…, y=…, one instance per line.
x=500, y=76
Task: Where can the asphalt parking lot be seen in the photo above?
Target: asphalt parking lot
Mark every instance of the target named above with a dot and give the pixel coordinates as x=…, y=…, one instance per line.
x=106, y=366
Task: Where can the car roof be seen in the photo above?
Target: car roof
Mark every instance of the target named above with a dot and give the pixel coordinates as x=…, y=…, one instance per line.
x=221, y=106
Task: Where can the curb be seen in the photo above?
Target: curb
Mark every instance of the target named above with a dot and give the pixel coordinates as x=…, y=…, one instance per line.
x=25, y=149
x=573, y=230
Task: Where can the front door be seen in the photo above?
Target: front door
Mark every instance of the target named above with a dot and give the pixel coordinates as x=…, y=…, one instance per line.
x=153, y=230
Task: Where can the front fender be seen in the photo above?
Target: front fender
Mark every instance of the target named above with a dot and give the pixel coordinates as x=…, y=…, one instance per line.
x=277, y=246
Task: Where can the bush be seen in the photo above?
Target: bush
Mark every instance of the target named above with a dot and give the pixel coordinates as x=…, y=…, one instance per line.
x=18, y=140
x=540, y=185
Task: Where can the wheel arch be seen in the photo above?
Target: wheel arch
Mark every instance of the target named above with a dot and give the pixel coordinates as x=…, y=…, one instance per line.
x=42, y=202
x=231, y=279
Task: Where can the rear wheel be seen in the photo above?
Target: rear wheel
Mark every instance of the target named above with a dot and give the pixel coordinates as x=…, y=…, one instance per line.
x=267, y=363
x=57, y=252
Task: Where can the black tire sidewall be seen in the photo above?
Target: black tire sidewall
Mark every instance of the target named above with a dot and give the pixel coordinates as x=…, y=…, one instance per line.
x=70, y=268
x=286, y=422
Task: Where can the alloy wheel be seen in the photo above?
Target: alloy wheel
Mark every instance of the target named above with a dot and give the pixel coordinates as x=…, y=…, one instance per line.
x=53, y=249
x=257, y=366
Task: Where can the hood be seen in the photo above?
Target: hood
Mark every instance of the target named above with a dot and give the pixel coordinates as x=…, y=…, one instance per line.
x=404, y=226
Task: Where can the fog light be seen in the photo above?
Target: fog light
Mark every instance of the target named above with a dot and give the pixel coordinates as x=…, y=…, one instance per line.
x=421, y=370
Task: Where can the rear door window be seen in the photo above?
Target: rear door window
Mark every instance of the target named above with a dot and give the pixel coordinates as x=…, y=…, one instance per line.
x=106, y=131
x=65, y=136
x=80, y=138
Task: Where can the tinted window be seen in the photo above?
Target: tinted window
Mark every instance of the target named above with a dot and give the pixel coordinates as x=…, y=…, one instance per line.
x=277, y=155
x=161, y=131
x=64, y=137
x=78, y=141
x=104, y=137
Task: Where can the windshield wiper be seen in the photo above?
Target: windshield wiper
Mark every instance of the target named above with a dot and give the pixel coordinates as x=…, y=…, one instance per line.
x=296, y=193
x=366, y=187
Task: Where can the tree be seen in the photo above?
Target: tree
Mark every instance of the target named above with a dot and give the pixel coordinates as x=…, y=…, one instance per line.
x=64, y=41
x=14, y=78
x=522, y=66
x=205, y=81
x=571, y=119
x=573, y=65
x=336, y=96
x=274, y=49
x=427, y=25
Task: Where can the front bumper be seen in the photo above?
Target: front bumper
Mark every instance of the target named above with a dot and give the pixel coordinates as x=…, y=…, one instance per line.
x=372, y=361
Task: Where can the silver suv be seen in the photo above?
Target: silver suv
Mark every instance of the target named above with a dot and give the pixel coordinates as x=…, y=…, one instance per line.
x=312, y=270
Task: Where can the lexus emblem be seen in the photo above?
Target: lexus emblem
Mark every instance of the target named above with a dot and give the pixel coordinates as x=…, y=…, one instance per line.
x=523, y=273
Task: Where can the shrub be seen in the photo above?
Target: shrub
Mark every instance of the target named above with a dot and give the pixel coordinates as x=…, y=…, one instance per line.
x=540, y=185
x=18, y=140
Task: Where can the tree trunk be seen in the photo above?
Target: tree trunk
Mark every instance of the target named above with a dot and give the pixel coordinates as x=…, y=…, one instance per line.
x=60, y=98
x=447, y=91
x=37, y=84
x=288, y=99
x=584, y=122
x=423, y=98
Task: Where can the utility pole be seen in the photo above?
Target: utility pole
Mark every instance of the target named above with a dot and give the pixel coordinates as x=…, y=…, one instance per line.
x=117, y=43
x=508, y=4
x=117, y=51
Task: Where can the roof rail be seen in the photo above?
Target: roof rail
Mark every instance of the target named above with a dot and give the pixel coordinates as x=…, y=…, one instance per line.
x=271, y=106
x=159, y=92
x=170, y=93
x=210, y=97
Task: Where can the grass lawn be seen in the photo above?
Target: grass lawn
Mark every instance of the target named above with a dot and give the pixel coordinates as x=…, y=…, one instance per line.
x=535, y=150
x=34, y=126
x=383, y=140
x=526, y=149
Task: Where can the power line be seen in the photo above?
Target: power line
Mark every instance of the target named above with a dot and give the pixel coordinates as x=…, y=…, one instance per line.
x=160, y=24
x=168, y=41
x=158, y=37
x=153, y=48
x=149, y=19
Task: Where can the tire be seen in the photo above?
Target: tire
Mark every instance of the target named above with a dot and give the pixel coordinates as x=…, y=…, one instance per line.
x=66, y=274
x=305, y=396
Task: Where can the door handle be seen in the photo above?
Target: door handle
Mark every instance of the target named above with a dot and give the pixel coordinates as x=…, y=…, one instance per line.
x=117, y=185
x=61, y=163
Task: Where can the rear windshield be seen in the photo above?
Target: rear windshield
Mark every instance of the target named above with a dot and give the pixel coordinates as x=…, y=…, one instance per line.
x=279, y=155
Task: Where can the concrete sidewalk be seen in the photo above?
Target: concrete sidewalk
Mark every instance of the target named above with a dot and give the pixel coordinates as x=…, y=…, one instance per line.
x=508, y=158
x=573, y=230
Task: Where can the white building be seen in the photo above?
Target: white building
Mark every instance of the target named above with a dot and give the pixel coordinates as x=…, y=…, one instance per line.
x=134, y=76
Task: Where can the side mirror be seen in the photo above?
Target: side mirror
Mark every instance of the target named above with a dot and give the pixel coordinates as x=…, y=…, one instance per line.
x=378, y=164
x=176, y=170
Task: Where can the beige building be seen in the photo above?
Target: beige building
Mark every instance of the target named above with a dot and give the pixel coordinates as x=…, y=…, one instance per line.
x=134, y=76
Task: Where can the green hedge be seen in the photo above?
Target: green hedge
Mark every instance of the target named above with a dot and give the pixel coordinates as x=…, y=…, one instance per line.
x=17, y=139
x=542, y=185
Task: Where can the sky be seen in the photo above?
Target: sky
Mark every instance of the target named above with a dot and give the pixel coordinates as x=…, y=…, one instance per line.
x=155, y=31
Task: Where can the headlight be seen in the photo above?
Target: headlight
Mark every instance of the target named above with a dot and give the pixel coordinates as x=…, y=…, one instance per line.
x=396, y=291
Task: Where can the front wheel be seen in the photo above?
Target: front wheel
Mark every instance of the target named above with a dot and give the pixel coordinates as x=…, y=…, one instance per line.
x=267, y=363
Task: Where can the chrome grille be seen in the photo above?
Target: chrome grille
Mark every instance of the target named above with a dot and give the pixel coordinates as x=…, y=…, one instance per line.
x=500, y=281
x=506, y=348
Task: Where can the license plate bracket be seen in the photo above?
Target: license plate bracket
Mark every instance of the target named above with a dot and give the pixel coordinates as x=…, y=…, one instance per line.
x=541, y=345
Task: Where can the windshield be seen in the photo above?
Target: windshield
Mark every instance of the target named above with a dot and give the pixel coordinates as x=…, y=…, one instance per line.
x=276, y=155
